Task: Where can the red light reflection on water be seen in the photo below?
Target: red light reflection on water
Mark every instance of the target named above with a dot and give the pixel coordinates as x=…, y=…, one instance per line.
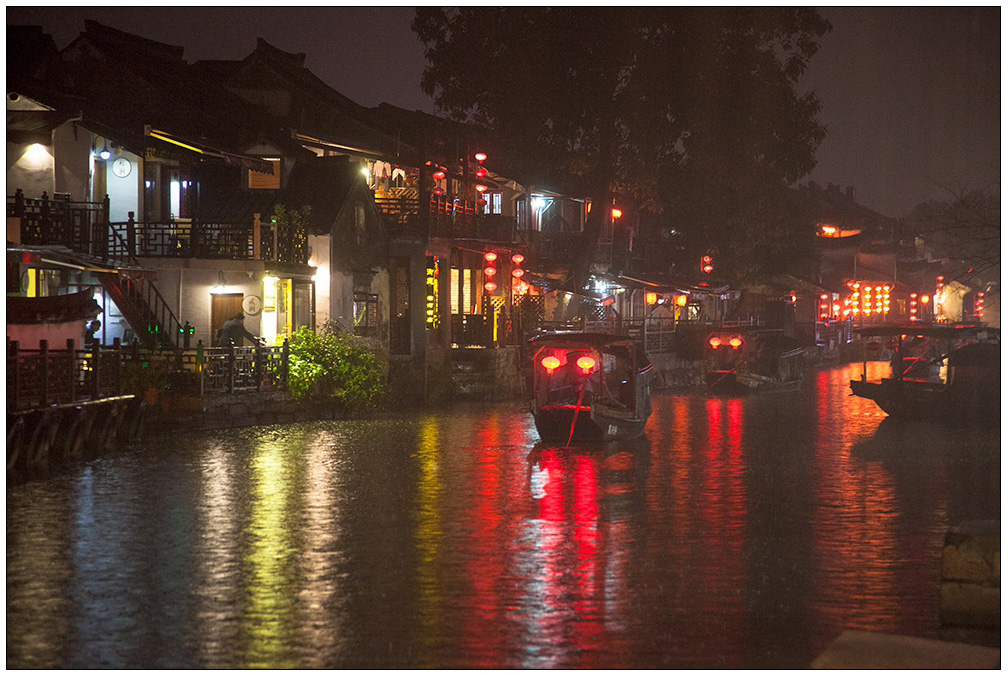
x=855, y=555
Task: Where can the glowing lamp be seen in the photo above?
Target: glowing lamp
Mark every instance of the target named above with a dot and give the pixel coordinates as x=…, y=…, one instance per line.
x=708, y=269
x=715, y=342
x=550, y=362
x=480, y=188
x=925, y=298
x=490, y=256
x=490, y=286
x=439, y=175
x=481, y=172
x=517, y=258
x=489, y=271
x=480, y=157
x=616, y=213
x=829, y=230
x=651, y=298
x=586, y=363
x=517, y=272
x=735, y=342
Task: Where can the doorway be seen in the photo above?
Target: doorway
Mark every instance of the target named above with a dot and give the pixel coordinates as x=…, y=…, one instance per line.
x=222, y=308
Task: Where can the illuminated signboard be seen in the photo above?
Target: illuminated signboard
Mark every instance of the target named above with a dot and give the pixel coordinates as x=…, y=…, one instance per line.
x=432, y=292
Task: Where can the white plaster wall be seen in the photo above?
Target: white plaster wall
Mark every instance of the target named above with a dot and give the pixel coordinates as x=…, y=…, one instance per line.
x=199, y=278
x=321, y=260
x=124, y=193
x=341, y=299
x=72, y=163
x=30, y=168
x=29, y=335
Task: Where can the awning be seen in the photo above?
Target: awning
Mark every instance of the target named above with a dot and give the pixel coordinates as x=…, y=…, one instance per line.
x=246, y=161
x=51, y=309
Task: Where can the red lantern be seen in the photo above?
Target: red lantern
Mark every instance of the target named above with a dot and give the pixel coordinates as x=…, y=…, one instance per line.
x=438, y=175
x=517, y=258
x=490, y=286
x=490, y=256
x=480, y=157
x=481, y=172
x=480, y=188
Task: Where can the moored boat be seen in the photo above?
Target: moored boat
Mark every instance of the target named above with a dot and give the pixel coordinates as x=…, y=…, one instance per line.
x=743, y=360
x=942, y=372
x=589, y=387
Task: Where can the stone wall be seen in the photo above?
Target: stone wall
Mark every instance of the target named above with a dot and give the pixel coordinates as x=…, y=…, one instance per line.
x=235, y=411
x=971, y=575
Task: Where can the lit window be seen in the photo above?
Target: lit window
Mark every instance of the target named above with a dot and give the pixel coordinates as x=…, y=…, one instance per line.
x=365, y=314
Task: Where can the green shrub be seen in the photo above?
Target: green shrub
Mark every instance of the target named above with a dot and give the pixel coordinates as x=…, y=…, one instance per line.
x=332, y=364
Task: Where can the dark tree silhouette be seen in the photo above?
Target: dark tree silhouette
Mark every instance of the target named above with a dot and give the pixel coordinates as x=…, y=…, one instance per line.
x=692, y=110
x=965, y=231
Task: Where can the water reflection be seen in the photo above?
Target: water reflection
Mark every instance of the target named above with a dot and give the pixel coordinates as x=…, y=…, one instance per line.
x=739, y=532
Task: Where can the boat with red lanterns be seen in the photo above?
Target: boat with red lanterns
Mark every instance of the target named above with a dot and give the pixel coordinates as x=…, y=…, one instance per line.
x=589, y=387
x=740, y=360
x=939, y=372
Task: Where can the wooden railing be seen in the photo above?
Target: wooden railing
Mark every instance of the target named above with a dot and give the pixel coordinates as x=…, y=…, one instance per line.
x=190, y=239
x=40, y=377
x=54, y=220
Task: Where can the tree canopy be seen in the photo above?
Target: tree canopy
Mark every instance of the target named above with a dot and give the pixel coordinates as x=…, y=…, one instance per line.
x=691, y=111
x=965, y=231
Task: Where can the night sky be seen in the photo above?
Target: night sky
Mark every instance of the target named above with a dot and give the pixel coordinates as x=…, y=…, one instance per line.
x=911, y=96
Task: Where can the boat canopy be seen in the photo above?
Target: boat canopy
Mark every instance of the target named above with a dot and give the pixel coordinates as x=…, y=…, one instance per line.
x=945, y=331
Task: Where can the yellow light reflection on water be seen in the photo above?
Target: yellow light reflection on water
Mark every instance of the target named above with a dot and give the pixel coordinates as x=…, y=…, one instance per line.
x=269, y=617
x=429, y=534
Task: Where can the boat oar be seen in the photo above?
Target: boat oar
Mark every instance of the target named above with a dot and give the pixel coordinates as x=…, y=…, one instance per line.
x=577, y=410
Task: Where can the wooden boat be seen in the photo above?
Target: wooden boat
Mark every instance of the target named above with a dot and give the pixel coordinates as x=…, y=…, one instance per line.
x=942, y=372
x=589, y=387
x=744, y=360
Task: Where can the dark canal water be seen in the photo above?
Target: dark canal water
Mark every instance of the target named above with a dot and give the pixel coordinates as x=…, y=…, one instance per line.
x=744, y=533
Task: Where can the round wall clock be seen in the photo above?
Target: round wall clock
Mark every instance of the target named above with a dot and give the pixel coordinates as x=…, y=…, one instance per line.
x=251, y=305
x=122, y=167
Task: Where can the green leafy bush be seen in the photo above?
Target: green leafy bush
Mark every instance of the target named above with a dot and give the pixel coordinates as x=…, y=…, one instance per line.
x=332, y=364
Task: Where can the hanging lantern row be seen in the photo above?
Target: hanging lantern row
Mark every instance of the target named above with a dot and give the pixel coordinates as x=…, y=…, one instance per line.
x=490, y=272
x=480, y=173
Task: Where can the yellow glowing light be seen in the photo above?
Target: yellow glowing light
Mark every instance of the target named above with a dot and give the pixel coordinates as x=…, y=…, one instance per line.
x=37, y=155
x=651, y=298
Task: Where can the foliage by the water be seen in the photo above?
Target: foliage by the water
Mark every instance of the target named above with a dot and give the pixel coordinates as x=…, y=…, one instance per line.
x=332, y=364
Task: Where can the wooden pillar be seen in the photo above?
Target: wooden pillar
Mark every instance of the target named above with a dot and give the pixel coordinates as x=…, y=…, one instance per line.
x=14, y=364
x=73, y=368
x=231, y=367
x=256, y=237
x=286, y=362
x=44, y=369
x=117, y=347
x=95, y=359
x=258, y=367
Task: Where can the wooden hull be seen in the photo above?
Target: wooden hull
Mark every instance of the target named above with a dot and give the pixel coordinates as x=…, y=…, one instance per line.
x=915, y=400
x=592, y=425
x=743, y=383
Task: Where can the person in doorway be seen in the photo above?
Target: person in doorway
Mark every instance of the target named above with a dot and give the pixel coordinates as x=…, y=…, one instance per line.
x=90, y=332
x=234, y=332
